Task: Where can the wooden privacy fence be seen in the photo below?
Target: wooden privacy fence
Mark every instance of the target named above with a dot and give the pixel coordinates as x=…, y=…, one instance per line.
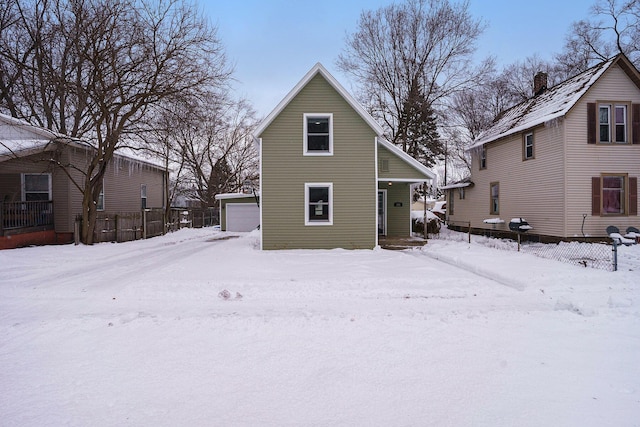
x=127, y=226
x=120, y=227
x=192, y=217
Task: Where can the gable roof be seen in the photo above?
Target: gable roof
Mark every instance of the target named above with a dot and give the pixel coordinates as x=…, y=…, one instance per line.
x=319, y=69
x=21, y=138
x=25, y=139
x=553, y=103
x=406, y=158
x=464, y=182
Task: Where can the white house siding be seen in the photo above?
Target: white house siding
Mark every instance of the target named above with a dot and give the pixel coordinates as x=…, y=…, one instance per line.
x=285, y=170
x=532, y=189
x=588, y=160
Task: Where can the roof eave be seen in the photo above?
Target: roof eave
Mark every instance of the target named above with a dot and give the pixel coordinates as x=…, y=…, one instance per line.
x=407, y=158
x=606, y=65
x=46, y=133
x=318, y=69
x=458, y=185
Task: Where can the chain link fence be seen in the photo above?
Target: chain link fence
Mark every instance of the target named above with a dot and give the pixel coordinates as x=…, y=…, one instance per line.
x=591, y=255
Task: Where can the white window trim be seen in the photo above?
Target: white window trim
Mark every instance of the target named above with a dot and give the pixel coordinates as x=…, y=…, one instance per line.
x=384, y=212
x=24, y=193
x=305, y=146
x=308, y=185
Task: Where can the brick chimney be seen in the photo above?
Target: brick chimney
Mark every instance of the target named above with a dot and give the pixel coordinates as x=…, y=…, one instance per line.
x=539, y=83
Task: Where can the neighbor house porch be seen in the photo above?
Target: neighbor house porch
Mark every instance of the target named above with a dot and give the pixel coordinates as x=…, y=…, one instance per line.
x=26, y=223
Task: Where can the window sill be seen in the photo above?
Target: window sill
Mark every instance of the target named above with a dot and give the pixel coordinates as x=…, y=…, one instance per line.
x=317, y=154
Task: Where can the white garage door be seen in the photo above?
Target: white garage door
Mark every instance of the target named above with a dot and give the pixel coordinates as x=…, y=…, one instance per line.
x=242, y=216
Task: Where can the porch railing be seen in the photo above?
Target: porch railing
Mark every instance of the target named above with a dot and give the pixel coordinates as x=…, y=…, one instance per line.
x=17, y=215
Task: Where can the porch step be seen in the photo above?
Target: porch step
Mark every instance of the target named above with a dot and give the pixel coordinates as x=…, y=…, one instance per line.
x=401, y=243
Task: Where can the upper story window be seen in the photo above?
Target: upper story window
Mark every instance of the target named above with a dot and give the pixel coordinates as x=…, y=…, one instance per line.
x=36, y=187
x=527, y=146
x=483, y=157
x=612, y=123
x=318, y=134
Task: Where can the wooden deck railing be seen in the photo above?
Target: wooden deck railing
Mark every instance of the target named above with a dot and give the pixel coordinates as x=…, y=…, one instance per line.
x=18, y=215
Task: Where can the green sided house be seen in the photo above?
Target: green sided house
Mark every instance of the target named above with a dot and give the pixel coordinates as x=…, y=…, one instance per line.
x=328, y=178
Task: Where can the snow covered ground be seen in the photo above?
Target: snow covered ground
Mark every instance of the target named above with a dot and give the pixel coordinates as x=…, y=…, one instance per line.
x=200, y=328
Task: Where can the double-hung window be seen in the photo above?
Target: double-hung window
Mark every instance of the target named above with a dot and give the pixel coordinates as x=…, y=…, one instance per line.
x=318, y=203
x=612, y=123
x=100, y=204
x=483, y=157
x=614, y=194
x=318, y=134
x=36, y=187
x=494, y=208
x=620, y=123
x=527, y=148
x=143, y=196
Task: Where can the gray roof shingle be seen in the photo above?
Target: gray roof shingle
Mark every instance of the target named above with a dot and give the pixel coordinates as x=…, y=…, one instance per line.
x=555, y=102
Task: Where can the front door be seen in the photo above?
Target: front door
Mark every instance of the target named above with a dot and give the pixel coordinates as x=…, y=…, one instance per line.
x=382, y=212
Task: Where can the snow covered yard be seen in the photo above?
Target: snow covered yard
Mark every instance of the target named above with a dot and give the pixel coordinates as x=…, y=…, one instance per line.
x=200, y=328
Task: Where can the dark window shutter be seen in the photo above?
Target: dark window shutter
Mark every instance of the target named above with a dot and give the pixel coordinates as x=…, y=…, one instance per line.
x=595, y=196
x=635, y=123
x=633, y=195
x=591, y=123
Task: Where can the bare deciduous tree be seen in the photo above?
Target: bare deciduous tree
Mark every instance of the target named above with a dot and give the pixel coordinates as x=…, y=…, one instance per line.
x=223, y=155
x=614, y=28
x=208, y=146
x=93, y=69
x=426, y=41
x=515, y=83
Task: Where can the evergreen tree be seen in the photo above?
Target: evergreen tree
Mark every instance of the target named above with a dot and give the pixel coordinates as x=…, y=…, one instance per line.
x=417, y=128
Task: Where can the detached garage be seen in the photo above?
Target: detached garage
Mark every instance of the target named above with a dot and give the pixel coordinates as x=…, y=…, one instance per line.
x=238, y=212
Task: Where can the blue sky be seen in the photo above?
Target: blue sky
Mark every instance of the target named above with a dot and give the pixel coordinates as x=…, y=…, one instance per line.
x=273, y=43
